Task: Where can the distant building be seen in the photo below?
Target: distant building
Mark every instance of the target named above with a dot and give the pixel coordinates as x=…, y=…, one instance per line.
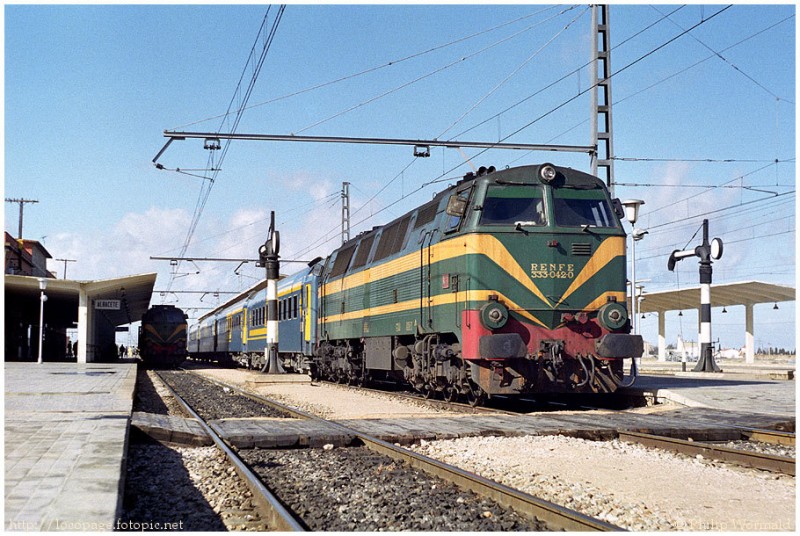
x=26, y=257
x=690, y=348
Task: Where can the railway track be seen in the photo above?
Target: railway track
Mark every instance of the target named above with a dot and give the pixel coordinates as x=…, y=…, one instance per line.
x=501, y=404
x=270, y=508
x=535, y=513
x=758, y=460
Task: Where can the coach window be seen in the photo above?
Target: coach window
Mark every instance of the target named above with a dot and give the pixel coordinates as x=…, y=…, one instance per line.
x=294, y=306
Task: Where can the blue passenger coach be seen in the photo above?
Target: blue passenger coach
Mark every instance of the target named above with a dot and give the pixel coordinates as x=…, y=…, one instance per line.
x=237, y=330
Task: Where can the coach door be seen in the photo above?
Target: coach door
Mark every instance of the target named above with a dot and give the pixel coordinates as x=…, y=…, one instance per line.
x=306, y=299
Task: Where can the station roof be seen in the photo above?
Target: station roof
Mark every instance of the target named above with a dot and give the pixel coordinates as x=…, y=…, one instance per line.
x=133, y=292
x=724, y=295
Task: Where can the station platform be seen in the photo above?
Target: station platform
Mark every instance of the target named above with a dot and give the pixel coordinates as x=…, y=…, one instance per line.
x=66, y=432
x=719, y=391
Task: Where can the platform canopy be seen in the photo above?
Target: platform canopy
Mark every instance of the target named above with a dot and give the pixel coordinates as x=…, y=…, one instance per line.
x=97, y=306
x=748, y=294
x=724, y=295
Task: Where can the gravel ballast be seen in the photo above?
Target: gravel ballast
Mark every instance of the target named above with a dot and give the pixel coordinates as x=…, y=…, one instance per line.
x=355, y=489
x=180, y=488
x=213, y=401
x=626, y=484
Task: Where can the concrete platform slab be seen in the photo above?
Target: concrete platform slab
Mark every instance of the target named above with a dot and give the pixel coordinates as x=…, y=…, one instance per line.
x=171, y=429
x=66, y=429
x=725, y=393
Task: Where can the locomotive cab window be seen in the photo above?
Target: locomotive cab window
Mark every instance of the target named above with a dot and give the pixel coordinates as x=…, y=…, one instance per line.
x=508, y=205
x=574, y=208
x=456, y=208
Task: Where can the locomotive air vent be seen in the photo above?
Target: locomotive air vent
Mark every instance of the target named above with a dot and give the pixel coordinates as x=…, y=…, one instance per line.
x=582, y=249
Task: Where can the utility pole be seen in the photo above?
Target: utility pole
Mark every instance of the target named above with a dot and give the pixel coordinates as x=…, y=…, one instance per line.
x=345, y=212
x=21, y=204
x=65, y=264
x=602, y=138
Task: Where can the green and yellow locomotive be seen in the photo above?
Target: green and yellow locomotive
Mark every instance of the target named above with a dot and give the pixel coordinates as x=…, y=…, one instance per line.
x=509, y=282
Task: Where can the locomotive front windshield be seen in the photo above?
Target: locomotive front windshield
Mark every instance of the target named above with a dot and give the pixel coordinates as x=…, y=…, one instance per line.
x=508, y=205
x=575, y=208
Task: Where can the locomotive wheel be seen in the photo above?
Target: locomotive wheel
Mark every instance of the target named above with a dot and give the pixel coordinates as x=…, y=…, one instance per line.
x=450, y=394
x=428, y=391
x=475, y=396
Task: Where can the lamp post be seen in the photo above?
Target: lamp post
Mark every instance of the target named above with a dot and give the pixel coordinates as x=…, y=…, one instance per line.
x=632, y=214
x=42, y=299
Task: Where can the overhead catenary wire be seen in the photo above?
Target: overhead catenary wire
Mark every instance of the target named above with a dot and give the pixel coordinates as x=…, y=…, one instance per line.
x=426, y=75
x=375, y=68
x=562, y=78
x=726, y=60
x=629, y=65
x=514, y=72
x=325, y=237
x=622, y=100
x=241, y=101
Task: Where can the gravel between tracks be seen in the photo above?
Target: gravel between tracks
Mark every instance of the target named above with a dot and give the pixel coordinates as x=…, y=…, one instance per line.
x=212, y=401
x=349, y=489
x=195, y=487
x=626, y=484
x=328, y=401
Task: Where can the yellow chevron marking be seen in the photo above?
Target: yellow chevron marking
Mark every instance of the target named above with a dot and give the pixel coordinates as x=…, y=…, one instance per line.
x=610, y=249
x=150, y=329
x=482, y=244
x=603, y=299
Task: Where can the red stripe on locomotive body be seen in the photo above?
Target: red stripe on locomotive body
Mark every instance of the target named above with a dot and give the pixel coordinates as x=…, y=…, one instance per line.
x=579, y=337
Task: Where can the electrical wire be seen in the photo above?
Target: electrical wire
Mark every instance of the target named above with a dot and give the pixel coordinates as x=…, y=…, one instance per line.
x=428, y=75
x=206, y=187
x=375, y=68
x=514, y=72
x=728, y=62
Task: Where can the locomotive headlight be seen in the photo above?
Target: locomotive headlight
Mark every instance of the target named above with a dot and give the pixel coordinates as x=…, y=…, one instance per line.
x=494, y=315
x=612, y=316
x=547, y=172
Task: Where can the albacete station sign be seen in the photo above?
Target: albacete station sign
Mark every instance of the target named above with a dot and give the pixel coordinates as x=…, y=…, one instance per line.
x=109, y=305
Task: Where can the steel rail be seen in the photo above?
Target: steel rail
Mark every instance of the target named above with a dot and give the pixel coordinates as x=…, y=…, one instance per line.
x=768, y=462
x=278, y=517
x=772, y=437
x=557, y=517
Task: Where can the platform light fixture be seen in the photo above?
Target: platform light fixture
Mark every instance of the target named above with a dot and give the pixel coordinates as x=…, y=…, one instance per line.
x=632, y=214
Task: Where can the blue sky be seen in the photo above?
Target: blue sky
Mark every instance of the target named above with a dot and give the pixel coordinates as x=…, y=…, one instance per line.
x=90, y=89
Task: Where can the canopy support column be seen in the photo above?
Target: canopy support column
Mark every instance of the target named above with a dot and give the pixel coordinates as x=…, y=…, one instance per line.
x=83, y=325
x=749, y=342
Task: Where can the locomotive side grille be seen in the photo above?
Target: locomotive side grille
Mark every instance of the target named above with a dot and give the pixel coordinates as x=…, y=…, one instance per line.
x=582, y=249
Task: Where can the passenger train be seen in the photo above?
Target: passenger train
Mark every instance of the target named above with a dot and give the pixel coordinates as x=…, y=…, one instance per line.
x=509, y=282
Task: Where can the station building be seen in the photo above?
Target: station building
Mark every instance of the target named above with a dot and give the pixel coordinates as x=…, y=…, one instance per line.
x=94, y=308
